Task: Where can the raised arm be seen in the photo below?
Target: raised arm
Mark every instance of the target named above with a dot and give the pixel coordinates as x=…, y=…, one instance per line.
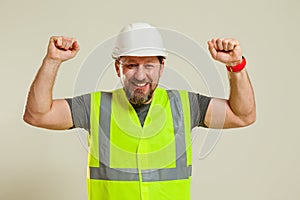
x=41, y=110
x=239, y=110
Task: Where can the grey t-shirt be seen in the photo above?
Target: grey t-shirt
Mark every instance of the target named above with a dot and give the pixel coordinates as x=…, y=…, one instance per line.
x=80, y=109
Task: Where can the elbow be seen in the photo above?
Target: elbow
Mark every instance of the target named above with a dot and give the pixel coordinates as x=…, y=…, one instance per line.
x=248, y=119
x=28, y=118
x=31, y=119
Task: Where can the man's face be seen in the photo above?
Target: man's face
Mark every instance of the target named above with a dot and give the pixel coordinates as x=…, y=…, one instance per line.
x=139, y=76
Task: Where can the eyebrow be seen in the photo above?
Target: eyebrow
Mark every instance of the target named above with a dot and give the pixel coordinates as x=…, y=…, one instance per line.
x=134, y=61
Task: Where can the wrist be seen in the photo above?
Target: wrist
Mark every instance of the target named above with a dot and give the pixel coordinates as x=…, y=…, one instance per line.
x=237, y=66
x=51, y=61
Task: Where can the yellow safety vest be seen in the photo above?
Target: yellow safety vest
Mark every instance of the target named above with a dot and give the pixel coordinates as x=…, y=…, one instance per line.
x=130, y=162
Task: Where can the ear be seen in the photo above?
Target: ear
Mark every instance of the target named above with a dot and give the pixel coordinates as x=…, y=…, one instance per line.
x=162, y=66
x=117, y=67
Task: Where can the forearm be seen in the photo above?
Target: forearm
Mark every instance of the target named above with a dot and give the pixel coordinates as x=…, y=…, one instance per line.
x=41, y=110
x=39, y=98
x=239, y=110
x=241, y=98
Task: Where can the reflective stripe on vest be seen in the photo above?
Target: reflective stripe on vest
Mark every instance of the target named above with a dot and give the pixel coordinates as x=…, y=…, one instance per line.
x=104, y=106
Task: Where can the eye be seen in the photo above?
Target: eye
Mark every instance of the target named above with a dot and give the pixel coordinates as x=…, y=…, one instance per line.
x=150, y=65
x=131, y=65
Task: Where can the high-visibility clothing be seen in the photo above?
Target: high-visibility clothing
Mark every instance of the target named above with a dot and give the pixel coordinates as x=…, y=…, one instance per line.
x=128, y=161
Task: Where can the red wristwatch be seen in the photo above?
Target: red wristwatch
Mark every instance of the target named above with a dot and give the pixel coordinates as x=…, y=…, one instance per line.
x=238, y=67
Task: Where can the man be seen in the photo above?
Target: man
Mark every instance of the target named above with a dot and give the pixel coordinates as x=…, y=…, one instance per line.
x=139, y=135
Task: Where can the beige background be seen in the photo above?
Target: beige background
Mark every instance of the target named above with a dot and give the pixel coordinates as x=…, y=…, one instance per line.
x=259, y=162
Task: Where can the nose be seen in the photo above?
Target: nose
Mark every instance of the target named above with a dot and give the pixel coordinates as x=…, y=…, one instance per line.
x=140, y=73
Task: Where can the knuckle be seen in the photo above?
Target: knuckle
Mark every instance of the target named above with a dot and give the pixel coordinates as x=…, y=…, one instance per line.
x=53, y=39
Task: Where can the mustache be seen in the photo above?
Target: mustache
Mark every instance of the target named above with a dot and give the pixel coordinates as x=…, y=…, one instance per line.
x=150, y=81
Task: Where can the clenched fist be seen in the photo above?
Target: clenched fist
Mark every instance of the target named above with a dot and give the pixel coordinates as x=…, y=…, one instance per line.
x=62, y=48
x=227, y=51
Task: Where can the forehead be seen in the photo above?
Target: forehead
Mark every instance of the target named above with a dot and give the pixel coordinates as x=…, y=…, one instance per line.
x=139, y=59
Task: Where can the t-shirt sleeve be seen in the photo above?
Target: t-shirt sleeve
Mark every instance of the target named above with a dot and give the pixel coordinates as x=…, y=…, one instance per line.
x=199, y=104
x=80, y=110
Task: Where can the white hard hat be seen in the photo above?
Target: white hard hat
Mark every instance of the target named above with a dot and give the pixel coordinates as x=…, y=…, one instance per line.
x=139, y=39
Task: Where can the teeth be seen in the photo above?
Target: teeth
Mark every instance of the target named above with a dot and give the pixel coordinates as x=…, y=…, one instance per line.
x=141, y=85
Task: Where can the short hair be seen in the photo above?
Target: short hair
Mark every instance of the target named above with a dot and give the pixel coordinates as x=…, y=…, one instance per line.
x=161, y=58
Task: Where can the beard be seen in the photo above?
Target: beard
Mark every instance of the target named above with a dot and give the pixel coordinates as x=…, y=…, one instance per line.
x=138, y=97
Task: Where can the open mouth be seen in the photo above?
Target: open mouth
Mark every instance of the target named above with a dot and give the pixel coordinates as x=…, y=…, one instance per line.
x=140, y=84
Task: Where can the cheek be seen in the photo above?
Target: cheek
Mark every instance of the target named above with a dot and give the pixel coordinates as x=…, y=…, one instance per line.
x=154, y=76
x=125, y=77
